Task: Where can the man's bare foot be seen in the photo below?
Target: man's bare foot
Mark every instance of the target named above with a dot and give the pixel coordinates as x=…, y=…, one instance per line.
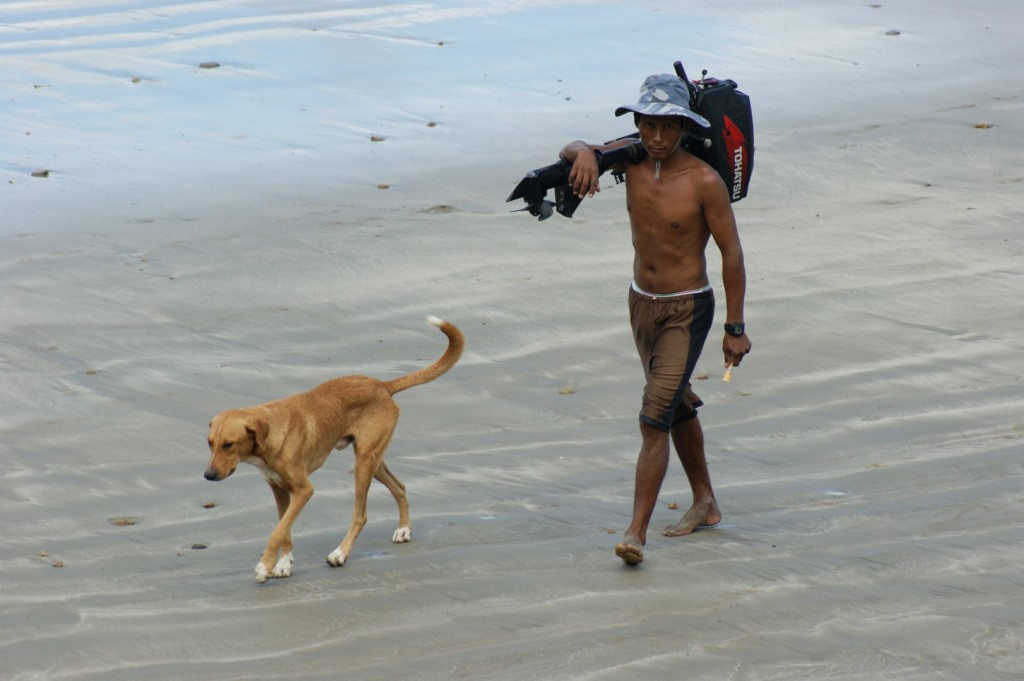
x=700, y=516
x=630, y=553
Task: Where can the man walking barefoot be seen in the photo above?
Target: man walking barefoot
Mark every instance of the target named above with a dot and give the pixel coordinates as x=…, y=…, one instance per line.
x=676, y=204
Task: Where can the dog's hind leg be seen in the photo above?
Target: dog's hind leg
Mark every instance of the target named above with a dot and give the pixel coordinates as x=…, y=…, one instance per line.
x=404, y=531
x=370, y=448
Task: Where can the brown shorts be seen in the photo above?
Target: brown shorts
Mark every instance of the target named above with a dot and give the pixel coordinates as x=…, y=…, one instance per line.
x=670, y=332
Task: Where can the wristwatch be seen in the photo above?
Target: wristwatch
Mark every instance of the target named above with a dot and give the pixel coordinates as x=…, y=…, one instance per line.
x=735, y=328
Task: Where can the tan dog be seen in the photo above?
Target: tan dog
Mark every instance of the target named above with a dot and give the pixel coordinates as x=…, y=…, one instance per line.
x=290, y=438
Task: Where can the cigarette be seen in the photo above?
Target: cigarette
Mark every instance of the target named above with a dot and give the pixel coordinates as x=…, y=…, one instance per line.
x=728, y=373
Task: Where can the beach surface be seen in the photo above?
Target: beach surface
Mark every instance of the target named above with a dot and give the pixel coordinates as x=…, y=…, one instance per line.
x=212, y=204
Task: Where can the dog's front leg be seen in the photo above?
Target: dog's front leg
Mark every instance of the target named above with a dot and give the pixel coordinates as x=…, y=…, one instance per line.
x=283, y=567
x=289, y=505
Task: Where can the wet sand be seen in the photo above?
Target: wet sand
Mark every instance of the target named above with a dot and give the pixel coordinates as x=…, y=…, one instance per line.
x=203, y=238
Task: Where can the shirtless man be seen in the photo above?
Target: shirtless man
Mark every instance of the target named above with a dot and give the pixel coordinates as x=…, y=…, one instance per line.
x=676, y=203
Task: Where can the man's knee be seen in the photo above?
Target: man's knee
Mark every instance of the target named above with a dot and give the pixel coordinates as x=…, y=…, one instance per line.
x=653, y=435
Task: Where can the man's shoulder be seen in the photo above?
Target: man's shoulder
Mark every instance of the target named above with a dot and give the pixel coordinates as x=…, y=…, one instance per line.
x=692, y=161
x=704, y=174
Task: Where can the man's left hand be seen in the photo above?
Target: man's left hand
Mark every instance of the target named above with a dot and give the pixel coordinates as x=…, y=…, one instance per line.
x=735, y=348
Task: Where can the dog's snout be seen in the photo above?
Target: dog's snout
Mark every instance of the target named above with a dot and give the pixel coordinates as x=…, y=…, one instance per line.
x=211, y=474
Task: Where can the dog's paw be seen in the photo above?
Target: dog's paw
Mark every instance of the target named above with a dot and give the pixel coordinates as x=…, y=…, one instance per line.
x=261, y=573
x=402, y=535
x=336, y=558
x=284, y=566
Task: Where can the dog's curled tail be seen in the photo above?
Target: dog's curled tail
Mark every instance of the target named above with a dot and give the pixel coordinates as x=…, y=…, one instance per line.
x=443, y=364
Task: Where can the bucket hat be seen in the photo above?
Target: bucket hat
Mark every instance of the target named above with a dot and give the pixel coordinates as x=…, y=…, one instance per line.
x=664, y=95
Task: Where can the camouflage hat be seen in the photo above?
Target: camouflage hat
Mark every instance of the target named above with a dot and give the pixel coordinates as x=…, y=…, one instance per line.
x=664, y=95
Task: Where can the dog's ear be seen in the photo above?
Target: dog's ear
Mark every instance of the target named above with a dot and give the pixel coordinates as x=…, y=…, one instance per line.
x=258, y=430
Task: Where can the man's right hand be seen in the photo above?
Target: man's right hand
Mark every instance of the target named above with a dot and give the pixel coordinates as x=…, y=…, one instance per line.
x=584, y=176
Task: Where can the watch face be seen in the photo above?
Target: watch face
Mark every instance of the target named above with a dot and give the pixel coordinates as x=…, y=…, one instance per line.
x=735, y=329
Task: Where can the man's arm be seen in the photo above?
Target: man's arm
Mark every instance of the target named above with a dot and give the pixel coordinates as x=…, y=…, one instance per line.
x=722, y=224
x=584, y=176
